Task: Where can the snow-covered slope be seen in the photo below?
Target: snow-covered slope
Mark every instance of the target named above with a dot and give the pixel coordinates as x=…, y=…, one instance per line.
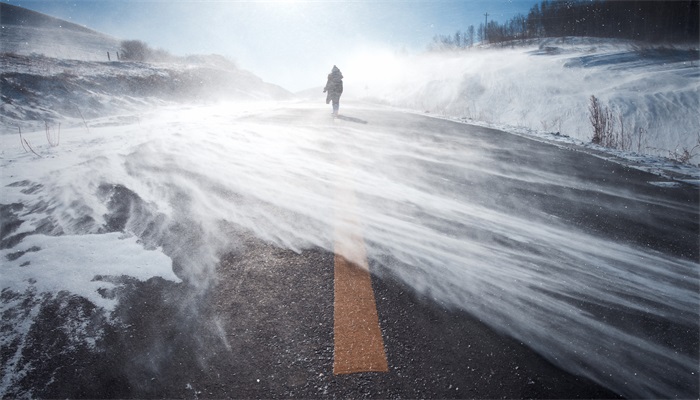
x=26, y=32
x=56, y=72
x=546, y=86
x=37, y=89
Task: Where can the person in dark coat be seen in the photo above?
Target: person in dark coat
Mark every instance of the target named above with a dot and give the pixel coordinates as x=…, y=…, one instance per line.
x=334, y=88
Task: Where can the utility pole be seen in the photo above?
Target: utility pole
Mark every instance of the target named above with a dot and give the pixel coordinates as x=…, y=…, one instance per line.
x=486, y=24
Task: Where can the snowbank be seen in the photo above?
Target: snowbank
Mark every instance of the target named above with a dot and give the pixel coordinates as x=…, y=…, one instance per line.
x=546, y=86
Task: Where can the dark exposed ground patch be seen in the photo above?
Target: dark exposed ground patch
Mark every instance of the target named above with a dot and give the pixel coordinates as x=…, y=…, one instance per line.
x=9, y=222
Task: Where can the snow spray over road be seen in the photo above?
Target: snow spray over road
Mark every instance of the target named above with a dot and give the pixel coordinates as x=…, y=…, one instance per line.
x=434, y=208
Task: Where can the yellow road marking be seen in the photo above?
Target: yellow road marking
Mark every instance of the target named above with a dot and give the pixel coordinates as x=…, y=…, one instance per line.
x=358, y=342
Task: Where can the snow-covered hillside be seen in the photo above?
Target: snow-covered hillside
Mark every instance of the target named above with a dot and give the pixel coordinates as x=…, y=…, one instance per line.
x=26, y=32
x=546, y=86
x=56, y=72
x=38, y=89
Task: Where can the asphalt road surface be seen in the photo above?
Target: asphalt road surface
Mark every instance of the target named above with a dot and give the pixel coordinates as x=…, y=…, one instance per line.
x=265, y=328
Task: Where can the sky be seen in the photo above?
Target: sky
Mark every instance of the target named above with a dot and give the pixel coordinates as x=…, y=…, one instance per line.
x=290, y=43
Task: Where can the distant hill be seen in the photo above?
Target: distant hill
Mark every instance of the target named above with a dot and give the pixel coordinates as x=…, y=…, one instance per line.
x=54, y=70
x=14, y=15
x=27, y=32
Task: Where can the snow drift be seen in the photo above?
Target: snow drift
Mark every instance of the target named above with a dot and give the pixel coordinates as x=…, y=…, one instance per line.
x=546, y=85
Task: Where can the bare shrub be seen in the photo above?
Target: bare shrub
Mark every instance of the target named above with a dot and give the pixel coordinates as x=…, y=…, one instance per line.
x=25, y=143
x=684, y=155
x=134, y=50
x=640, y=139
x=81, y=116
x=599, y=119
x=608, y=126
x=53, y=136
x=624, y=139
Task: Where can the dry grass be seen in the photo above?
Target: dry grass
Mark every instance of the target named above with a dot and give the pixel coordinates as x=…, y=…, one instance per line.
x=25, y=143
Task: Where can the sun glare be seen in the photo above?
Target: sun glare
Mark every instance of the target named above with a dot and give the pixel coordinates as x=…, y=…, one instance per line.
x=374, y=66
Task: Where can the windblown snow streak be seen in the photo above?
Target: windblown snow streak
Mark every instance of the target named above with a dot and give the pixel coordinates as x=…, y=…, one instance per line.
x=186, y=181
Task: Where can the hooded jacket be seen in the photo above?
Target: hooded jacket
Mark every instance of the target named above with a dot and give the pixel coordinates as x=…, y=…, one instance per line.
x=334, y=86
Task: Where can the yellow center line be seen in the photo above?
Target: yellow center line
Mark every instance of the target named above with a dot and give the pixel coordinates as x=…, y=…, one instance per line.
x=358, y=342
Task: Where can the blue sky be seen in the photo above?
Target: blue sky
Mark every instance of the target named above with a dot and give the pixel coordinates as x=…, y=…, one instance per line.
x=290, y=43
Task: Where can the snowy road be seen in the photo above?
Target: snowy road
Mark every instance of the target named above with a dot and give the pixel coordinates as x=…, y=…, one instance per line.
x=590, y=264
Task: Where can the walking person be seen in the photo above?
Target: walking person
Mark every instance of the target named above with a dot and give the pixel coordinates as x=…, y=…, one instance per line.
x=334, y=88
